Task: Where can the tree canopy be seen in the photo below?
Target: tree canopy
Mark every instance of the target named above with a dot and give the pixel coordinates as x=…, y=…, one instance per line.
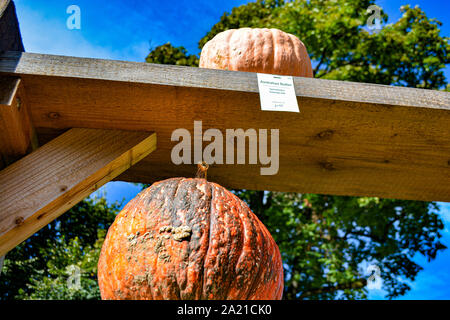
x=326, y=241
x=39, y=268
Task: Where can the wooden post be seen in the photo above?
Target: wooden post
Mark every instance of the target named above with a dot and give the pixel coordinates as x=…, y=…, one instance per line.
x=17, y=134
x=46, y=183
x=10, y=38
x=10, y=104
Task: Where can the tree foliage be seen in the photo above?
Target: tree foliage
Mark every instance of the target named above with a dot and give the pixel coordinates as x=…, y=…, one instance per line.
x=410, y=52
x=38, y=268
x=328, y=241
x=168, y=54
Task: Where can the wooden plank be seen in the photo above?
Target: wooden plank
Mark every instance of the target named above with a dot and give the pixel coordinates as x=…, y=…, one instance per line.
x=349, y=138
x=178, y=76
x=46, y=183
x=17, y=134
x=10, y=38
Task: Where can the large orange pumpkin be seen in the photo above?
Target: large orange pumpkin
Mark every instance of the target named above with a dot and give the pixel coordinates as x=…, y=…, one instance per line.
x=187, y=238
x=257, y=50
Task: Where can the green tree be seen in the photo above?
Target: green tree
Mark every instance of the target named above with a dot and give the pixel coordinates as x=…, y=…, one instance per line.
x=327, y=241
x=38, y=268
x=168, y=54
x=410, y=52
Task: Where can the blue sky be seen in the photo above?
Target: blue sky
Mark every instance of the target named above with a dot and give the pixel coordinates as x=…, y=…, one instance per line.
x=126, y=30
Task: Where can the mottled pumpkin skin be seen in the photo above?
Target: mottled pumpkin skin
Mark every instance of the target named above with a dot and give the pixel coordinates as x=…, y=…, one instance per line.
x=189, y=239
x=257, y=50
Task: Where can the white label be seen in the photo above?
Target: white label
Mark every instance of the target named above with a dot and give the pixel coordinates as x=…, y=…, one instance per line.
x=277, y=93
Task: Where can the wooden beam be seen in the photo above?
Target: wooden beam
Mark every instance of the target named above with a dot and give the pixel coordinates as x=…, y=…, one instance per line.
x=348, y=139
x=10, y=38
x=43, y=66
x=17, y=134
x=46, y=183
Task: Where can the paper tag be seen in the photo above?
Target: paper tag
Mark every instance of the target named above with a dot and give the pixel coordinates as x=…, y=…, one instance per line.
x=277, y=93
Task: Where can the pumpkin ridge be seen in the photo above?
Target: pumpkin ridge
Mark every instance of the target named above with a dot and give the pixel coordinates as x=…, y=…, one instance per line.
x=203, y=286
x=260, y=244
x=218, y=253
x=252, y=277
x=167, y=209
x=208, y=255
x=176, y=221
x=234, y=245
x=297, y=51
x=246, y=258
x=255, y=48
x=291, y=43
x=146, y=258
x=240, y=247
x=143, y=258
x=150, y=196
x=229, y=61
x=213, y=214
x=233, y=222
x=275, y=50
x=164, y=281
x=195, y=199
x=271, y=45
x=270, y=254
x=257, y=275
x=208, y=236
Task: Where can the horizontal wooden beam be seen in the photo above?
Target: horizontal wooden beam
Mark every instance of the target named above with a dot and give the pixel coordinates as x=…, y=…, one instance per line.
x=33, y=64
x=17, y=133
x=348, y=139
x=44, y=184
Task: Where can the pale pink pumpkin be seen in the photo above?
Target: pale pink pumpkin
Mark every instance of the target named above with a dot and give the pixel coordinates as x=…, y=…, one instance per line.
x=257, y=50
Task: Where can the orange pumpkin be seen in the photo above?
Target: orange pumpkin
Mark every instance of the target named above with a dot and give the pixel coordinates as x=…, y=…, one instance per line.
x=189, y=239
x=257, y=50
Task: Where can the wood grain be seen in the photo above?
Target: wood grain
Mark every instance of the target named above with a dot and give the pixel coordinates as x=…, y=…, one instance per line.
x=49, y=181
x=348, y=139
x=33, y=64
x=17, y=133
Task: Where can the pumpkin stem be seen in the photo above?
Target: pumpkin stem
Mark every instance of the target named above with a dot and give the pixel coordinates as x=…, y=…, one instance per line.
x=202, y=170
